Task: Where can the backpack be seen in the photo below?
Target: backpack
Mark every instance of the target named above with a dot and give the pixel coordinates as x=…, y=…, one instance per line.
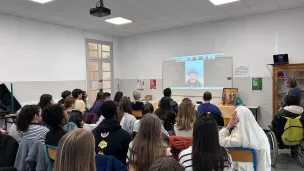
x=293, y=131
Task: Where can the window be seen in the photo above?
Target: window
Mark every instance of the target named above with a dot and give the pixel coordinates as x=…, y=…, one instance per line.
x=99, y=68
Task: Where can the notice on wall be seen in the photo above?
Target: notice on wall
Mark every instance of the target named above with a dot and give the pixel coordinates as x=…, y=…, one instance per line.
x=153, y=84
x=241, y=71
x=140, y=85
x=257, y=84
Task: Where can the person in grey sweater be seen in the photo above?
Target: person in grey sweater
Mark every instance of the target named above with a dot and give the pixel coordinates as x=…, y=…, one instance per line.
x=15, y=133
x=32, y=155
x=124, y=115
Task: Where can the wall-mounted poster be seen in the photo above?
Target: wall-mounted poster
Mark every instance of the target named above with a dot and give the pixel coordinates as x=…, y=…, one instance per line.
x=140, y=85
x=257, y=84
x=153, y=84
x=229, y=96
x=241, y=71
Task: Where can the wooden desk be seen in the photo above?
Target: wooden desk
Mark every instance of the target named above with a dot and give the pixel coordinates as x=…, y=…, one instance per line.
x=6, y=117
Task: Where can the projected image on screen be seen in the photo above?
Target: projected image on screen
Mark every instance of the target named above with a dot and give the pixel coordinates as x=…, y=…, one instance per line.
x=209, y=74
x=194, y=73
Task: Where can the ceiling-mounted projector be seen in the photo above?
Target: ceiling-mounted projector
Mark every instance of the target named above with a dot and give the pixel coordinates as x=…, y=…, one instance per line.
x=100, y=10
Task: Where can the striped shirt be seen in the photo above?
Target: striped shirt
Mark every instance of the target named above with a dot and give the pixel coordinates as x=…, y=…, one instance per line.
x=36, y=131
x=185, y=159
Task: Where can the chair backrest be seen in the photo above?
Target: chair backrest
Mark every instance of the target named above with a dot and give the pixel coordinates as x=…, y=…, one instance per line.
x=240, y=154
x=137, y=113
x=51, y=153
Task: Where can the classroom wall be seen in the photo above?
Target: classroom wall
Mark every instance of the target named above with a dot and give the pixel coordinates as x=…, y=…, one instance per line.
x=250, y=40
x=42, y=58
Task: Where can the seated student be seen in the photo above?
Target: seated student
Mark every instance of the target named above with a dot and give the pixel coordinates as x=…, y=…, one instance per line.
x=9, y=147
x=110, y=138
x=137, y=104
x=292, y=85
x=68, y=108
x=292, y=110
x=76, y=152
x=15, y=133
x=75, y=116
x=84, y=98
x=247, y=134
x=64, y=95
x=118, y=97
x=174, y=106
x=100, y=99
x=45, y=101
x=205, y=152
x=147, y=145
x=207, y=107
x=79, y=103
x=166, y=164
x=166, y=115
x=147, y=109
x=185, y=119
x=28, y=121
x=125, y=116
x=55, y=117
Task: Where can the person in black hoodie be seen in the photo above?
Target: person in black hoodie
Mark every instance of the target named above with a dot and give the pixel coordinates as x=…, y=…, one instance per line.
x=174, y=106
x=166, y=115
x=110, y=138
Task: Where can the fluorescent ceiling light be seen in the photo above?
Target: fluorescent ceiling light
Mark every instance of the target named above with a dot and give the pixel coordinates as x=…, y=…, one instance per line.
x=118, y=21
x=42, y=1
x=221, y=2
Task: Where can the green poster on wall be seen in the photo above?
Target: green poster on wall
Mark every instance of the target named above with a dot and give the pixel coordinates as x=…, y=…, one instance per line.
x=257, y=84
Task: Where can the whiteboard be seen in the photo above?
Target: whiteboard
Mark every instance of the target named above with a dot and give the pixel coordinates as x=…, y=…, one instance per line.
x=217, y=73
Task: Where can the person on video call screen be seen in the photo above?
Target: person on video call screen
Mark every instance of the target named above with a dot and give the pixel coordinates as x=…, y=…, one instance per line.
x=193, y=79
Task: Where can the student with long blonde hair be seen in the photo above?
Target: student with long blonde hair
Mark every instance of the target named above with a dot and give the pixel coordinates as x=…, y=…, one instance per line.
x=76, y=152
x=185, y=119
x=147, y=145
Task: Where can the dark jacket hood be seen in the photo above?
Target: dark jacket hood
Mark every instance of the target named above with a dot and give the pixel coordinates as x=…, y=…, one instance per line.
x=108, y=126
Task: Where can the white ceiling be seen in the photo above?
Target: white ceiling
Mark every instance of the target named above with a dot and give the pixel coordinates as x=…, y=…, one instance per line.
x=147, y=15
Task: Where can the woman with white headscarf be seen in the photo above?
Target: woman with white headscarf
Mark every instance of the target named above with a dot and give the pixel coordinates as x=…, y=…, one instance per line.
x=247, y=133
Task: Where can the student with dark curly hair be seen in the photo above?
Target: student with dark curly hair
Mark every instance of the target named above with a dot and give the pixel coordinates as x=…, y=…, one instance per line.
x=55, y=117
x=28, y=121
x=64, y=95
x=45, y=101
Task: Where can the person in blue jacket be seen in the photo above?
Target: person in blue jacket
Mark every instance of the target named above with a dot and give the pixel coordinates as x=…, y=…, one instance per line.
x=207, y=107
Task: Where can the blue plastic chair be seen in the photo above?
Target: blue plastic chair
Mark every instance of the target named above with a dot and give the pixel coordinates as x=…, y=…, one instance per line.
x=240, y=154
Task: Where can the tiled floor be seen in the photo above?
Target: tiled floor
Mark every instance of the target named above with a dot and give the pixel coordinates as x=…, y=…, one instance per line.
x=286, y=162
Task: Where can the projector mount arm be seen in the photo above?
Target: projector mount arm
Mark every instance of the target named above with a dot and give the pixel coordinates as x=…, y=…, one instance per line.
x=99, y=3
